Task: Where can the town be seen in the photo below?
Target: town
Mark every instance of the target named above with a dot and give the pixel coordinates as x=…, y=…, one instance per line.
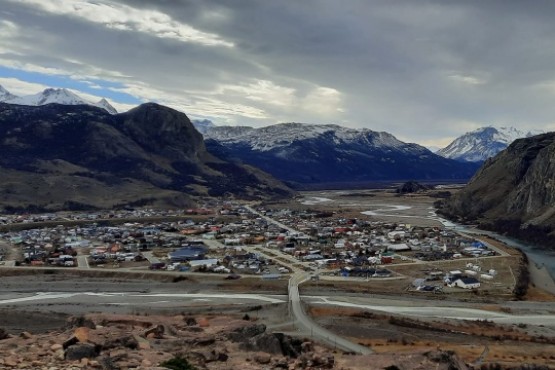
x=238, y=240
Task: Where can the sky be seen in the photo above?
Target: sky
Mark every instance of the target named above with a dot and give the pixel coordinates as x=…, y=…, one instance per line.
x=426, y=71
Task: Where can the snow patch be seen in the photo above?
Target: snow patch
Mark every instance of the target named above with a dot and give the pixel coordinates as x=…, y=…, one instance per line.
x=483, y=143
x=49, y=96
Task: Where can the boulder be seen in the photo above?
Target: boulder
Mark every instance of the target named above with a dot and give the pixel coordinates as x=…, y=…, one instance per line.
x=290, y=347
x=154, y=332
x=106, y=363
x=190, y=321
x=11, y=361
x=127, y=341
x=71, y=341
x=26, y=335
x=246, y=332
x=142, y=343
x=263, y=343
x=80, y=350
x=263, y=358
x=3, y=334
x=56, y=346
x=82, y=334
x=118, y=354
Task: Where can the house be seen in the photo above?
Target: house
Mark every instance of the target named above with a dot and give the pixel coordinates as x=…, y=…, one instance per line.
x=466, y=283
x=398, y=247
x=206, y=262
x=188, y=253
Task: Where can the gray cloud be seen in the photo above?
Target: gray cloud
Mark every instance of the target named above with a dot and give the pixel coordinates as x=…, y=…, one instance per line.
x=425, y=71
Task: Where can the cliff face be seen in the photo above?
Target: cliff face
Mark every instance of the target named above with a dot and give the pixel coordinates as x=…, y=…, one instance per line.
x=514, y=191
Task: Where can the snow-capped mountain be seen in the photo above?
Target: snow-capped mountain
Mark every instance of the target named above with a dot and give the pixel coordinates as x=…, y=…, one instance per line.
x=103, y=103
x=6, y=95
x=50, y=95
x=285, y=134
x=308, y=153
x=203, y=125
x=483, y=143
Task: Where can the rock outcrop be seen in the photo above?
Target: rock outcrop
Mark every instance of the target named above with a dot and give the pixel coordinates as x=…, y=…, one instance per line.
x=118, y=342
x=121, y=342
x=410, y=187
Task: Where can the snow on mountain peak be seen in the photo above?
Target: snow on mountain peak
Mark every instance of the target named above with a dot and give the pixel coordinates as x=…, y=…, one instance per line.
x=284, y=134
x=5, y=94
x=60, y=96
x=52, y=95
x=483, y=143
x=203, y=125
x=103, y=103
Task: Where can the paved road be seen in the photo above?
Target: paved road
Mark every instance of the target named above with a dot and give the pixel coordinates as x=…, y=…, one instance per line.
x=437, y=310
x=136, y=299
x=271, y=220
x=301, y=319
x=82, y=262
x=305, y=323
x=150, y=257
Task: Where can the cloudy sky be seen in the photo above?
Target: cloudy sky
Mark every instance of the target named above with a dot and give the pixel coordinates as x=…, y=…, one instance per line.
x=426, y=71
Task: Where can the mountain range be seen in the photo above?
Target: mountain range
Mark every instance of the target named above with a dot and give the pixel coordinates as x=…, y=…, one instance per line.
x=302, y=154
x=50, y=95
x=36, y=130
x=483, y=143
x=81, y=157
x=514, y=192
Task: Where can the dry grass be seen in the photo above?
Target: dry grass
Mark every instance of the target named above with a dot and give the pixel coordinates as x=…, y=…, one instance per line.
x=509, y=354
x=538, y=295
x=376, y=286
x=509, y=345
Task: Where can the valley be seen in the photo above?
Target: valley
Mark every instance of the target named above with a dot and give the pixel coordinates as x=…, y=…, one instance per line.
x=277, y=185
x=370, y=312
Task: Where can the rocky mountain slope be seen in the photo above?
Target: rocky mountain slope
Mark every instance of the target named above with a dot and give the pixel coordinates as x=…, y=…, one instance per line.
x=483, y=143
x=310, y=154
x=63, y=156
x=48, y=96
x=513, y=192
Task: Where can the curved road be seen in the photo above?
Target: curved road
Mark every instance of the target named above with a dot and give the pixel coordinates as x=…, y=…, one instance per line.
x=302, y=321
x=305, y=323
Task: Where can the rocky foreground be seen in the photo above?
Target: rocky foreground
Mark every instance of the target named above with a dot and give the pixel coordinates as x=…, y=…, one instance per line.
x=108, y=342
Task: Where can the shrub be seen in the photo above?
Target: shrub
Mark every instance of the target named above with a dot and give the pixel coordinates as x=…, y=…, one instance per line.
x=177, y=363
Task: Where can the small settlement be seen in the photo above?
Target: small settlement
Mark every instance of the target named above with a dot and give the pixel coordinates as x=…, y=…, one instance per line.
x=235, y=241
